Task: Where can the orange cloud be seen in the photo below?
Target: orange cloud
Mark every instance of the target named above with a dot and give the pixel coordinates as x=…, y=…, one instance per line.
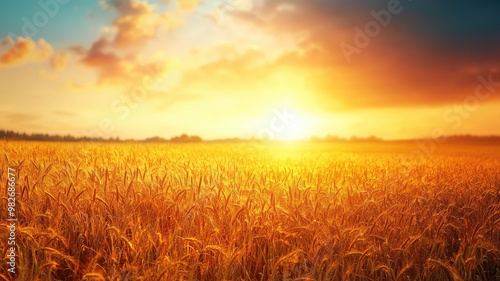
x=244, y=73
x=111, y=67
x=7, y=41
x=24, y=50
x=114, y=68
x=331, y=84
x=138, y=22
x=401, y=65
x=58, y=61
x=188, y=4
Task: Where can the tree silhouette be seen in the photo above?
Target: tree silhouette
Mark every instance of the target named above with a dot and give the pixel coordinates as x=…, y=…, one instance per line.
x=184, y=138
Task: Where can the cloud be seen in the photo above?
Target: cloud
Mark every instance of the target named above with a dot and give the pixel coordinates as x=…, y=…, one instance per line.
x=114, y=68
x=115, y=55
x=78, y=50
x=19, y=118
x=235, y=75
x=137, y=22
x=430, y=54
x=188, y=4
x=58, y=61
x=320, y=78
x=7, y=41
x=111, y=67
x=404, y=65
x=24, y=50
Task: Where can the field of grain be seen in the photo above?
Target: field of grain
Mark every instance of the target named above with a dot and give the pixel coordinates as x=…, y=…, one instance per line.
x=280, y=212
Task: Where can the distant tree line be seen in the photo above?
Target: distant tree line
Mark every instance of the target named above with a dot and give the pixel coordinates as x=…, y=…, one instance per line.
x=178, y=139
x=12, y=135
x=184, y=138
x=450, y=139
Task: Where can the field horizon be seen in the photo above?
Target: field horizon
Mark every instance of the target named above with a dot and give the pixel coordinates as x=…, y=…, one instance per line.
x=186, y=138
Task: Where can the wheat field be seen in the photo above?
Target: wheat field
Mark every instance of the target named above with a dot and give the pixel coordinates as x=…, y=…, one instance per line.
x=129, y=211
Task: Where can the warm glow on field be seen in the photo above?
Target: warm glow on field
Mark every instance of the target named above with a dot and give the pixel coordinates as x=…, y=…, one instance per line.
x=253, y=212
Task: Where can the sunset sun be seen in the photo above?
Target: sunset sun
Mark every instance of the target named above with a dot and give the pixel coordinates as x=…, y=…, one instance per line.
x=297, y=129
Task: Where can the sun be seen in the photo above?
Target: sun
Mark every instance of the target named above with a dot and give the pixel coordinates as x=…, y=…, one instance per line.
x=296, y=129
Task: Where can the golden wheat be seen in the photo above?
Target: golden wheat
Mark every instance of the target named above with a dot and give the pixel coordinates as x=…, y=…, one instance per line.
x=219, y=212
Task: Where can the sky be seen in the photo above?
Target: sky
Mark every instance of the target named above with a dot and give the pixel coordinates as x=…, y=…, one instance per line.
x=250, y=68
